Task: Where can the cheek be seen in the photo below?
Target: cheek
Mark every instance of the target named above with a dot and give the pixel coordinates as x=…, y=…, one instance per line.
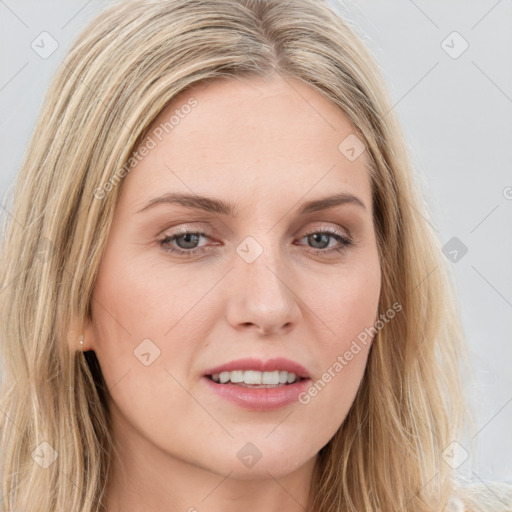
x=348, y=307
x=140, y=324
x=134, y=299
x=127, y=321
x=141, y=317
x=346, y=302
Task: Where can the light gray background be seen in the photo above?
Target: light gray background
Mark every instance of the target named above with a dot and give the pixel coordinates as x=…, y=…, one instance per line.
x=456, y=114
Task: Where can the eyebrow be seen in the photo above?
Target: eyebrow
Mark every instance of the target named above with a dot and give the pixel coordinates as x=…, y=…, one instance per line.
x=218, y=206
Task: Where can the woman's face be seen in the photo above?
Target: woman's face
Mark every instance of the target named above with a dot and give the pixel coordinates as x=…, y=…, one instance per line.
x=263, y=284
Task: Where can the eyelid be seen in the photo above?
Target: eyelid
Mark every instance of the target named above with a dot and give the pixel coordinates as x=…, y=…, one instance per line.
x=331, y=229
x=185, y=228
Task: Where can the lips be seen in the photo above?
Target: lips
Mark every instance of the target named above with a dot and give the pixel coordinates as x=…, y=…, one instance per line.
x=255, y=384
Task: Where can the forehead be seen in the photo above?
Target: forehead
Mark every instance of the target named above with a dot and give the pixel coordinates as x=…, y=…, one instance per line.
x=250, y=136
x=261, y=108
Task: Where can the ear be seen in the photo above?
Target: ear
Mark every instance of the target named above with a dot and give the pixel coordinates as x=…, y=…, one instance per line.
x=78, y=329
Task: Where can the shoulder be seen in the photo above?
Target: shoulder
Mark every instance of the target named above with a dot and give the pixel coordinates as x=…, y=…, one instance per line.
x=482, y=497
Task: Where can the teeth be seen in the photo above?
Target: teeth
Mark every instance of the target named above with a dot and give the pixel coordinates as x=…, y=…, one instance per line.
x=237, y=376
x=253, y=377
x=270, y=377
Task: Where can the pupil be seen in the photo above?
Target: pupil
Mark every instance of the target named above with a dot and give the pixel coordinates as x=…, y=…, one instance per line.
x=187, y=238
x=315, y=238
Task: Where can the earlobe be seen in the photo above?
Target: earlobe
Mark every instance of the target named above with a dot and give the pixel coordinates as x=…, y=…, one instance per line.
x=85, y=339
x=78, y=339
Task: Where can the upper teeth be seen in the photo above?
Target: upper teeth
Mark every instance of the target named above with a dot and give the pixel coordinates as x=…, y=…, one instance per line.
x=255, y=377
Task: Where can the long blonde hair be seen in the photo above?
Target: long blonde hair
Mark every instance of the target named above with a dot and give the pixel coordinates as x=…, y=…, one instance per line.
x=121, y=72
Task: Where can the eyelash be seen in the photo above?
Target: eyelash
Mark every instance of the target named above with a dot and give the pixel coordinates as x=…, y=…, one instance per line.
x=345, y=242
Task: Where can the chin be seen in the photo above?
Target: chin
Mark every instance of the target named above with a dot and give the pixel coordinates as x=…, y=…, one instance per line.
x=261, y=459
x=270, y=468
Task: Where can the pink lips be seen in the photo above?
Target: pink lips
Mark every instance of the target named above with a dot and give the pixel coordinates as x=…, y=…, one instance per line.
x=260, y=399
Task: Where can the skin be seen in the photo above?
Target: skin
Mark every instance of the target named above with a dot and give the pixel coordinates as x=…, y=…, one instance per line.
x=267, y=146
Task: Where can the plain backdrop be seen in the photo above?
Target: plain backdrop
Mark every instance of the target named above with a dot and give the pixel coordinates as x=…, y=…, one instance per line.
x=448, y=68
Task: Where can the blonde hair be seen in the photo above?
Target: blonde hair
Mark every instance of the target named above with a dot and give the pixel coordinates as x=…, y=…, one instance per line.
x=118, y=76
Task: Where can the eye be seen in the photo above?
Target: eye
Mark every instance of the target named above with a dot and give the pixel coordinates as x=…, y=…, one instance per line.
x=186, y=241
x=320, y=240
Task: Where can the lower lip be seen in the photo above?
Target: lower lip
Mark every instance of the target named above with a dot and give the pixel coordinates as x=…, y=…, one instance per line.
x=261, y=399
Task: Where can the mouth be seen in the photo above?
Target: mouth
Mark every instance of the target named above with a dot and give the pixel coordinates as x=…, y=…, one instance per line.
x=256, y=379
x=258, y=385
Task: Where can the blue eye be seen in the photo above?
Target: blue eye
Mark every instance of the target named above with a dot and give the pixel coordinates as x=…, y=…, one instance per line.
x=321, y=236
x=187, y=240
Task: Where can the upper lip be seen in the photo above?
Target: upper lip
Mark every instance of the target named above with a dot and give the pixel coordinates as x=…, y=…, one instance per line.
x=270, y=365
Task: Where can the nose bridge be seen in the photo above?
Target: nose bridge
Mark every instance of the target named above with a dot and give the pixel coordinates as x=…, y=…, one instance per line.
x=262, y=294
x=260, y=261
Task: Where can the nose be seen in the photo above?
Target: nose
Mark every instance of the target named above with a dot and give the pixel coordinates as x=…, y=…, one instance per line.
x=261, y=295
